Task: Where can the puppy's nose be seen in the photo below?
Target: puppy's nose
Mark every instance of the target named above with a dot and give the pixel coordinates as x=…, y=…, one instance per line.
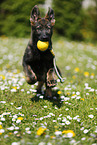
x=45, y=37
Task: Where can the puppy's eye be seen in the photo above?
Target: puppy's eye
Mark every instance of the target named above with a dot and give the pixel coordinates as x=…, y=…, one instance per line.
x=48, y=30
x=38, y=27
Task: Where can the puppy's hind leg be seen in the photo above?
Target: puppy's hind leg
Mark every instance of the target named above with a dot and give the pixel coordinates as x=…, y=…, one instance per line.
x=48, y=92
x=39, y=87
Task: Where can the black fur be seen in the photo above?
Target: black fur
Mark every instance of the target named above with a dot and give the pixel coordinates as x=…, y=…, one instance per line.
x=36, y=64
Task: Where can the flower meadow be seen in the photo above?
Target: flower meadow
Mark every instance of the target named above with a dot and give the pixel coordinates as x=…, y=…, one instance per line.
x=69, y=118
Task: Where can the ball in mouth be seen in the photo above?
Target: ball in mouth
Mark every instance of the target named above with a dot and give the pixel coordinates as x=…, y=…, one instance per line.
x=42, y=45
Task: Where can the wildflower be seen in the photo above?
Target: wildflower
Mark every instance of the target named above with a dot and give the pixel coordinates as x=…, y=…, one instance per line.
x=49, y=143
x=91, y=116
x=67, y=67
x=11, y=128
x=20, y=118
x=76, y=117
x=28, y=131
x=70, y=118
x=15, y=132
x=13, y=119
x=41, y=97
x=82, y=128
x=28, y=92
x=77, y=93
x=27, y=128
x=15, y=143
x=91, y=90
x=51, y=114
x=64, y=120
x=2, y=119
x=67, y=122
x=82, y=99
x=16, y=128
x=66, y=109
x=2, y=76
x=1, y=131
x=72, y=141
x=19, y=108
x=92, y=75
x=22, y=90
x=76, y=69
x=59, y=92
x=41, y=143
x=40, y=131
x=57, y=133
x=3, y=102
x=86, y=74
x=69, y=133
x=83, y=138
x=74, y=77
x=78, y=97
x=52, y=137
x=45, y=106
x=0, y=126
x=13, y=90
x=86, y=131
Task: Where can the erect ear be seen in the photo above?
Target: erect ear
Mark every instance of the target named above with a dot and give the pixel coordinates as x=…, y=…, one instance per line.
x=35, y=15
x=50, y=16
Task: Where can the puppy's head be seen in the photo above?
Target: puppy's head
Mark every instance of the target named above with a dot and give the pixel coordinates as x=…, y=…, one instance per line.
x=42, y=27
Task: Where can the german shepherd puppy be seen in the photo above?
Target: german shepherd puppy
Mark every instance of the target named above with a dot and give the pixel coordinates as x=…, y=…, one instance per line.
x=38, y=65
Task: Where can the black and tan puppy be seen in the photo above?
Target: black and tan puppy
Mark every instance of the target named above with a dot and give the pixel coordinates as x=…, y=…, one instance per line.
x=37, y=64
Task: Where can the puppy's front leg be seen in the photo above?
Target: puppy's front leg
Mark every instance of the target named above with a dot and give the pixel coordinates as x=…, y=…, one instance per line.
x=51, y=78
x=30, y=75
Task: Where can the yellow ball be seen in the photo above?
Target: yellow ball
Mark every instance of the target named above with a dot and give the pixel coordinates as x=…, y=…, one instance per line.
x=42, y=46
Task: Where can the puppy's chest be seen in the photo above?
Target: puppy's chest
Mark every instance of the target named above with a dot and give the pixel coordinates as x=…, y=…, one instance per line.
x=42, y=56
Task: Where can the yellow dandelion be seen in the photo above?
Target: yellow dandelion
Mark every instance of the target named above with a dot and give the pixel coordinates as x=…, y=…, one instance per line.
x=69, y=131
x=73, y=94
x=3, y=77
x=40, y=131
x=76, y=69
x=20, y=118
x=52, y=137
x=86, y=74
x=18, y=71
x=14, y=88
x=82, y=99
x=0, y=126
x=74, y=77
x=59, y=92
x=92, y=74
x=68, y=93
x=55, y=126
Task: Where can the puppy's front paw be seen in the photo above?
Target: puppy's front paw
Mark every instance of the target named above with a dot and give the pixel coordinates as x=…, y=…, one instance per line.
x=51, y=83
x=51, y=78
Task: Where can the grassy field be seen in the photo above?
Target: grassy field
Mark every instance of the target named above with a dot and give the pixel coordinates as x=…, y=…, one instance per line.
x=26, y=118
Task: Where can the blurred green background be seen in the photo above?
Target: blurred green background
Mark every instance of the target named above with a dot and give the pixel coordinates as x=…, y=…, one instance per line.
x=72, y=20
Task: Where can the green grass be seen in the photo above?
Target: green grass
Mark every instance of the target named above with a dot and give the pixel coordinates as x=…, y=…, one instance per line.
x=72, y=103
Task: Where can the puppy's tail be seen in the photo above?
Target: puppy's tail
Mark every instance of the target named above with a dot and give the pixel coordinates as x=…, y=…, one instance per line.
x=58, y=73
